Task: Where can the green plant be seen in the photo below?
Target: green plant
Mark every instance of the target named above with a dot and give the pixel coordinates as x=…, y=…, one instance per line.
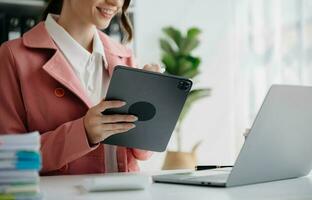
x=178, y=60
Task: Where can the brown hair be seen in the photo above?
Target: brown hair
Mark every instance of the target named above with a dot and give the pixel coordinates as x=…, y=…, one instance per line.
x=55, y=7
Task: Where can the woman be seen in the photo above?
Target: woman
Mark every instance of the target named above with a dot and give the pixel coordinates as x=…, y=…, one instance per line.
x=54, y=80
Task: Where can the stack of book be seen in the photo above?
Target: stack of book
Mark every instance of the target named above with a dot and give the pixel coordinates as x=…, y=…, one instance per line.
x=20, y=162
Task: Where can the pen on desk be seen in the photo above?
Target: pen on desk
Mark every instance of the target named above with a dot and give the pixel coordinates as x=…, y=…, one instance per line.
x=204, y=167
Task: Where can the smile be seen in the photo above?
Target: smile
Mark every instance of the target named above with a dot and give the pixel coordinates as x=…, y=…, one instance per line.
x=106, y=12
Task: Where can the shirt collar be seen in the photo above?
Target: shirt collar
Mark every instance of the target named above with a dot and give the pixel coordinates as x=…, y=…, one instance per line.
x=73, y=51
x=99, y=48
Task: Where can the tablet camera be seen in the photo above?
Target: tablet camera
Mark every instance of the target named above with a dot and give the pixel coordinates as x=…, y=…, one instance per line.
x=143, y=110
x=184, y=85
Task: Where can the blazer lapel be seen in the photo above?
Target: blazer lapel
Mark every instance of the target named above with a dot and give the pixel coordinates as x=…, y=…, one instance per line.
x=60, y=70
x=57, y=66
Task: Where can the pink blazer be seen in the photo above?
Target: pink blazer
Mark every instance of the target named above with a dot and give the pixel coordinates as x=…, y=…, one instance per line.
x=39, y=91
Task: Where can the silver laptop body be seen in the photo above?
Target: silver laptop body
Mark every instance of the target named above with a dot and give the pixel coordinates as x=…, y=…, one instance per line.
x=279, y=145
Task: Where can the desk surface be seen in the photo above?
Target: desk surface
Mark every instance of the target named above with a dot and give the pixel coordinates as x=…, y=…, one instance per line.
x=66, y=187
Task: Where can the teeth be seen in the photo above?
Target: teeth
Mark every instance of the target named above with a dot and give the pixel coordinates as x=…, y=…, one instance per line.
x=107, y=11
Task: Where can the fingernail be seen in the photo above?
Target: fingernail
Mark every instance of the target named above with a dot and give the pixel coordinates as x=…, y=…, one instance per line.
x=162, y=69
x=123, y=103
x=133, y=126
x=135, y=118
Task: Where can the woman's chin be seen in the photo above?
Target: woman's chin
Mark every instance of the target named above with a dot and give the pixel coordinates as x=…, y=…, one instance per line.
x=102, y=25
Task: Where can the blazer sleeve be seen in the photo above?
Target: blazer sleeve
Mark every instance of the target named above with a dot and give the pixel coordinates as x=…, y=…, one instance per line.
x=70, y=138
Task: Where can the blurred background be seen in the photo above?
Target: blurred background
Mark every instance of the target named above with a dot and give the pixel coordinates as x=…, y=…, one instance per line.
x=245, y=46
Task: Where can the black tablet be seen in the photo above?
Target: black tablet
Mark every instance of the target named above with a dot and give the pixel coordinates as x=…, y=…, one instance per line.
x=156, y=99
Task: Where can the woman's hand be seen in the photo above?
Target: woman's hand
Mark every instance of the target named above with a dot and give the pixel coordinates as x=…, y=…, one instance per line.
x=153, y=68
x=99, y=126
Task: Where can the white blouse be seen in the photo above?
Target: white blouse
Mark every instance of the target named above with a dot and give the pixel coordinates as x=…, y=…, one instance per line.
x=88, y=67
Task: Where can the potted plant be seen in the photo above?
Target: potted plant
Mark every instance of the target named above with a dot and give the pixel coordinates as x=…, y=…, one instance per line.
x=178, y=59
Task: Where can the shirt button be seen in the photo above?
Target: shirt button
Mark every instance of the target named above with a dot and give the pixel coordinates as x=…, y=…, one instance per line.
x=59, y=92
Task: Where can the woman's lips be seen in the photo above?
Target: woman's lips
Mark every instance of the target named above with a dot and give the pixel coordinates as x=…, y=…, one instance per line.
x=106, y=12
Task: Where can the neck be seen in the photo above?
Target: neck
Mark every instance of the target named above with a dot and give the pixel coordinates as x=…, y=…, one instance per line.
x=82, y=32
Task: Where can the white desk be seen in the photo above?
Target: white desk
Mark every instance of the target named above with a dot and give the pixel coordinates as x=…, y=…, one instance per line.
x=65, y=188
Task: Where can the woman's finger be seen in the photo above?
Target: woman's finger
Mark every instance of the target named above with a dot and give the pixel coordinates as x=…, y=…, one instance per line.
x=152, y=67
x=118, y=118
x=113, y=132
x=104, y=105
x=117, y=126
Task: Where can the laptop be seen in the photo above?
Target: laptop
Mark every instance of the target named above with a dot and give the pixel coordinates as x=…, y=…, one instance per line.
x=279, y=145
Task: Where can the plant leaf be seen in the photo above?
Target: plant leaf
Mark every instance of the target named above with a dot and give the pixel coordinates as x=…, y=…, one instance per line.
x=188, y=45
x=174, y=34
x=191, y=41
x=193, y=33
x=185, y=65
x=189, y=66
x=166, y=47
x=170, y=62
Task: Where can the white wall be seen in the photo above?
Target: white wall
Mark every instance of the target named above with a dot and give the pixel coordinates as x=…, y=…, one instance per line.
x=211, y=119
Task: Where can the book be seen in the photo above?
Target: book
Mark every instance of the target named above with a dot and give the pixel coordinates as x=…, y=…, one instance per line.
x=25, y=138
x=20, y=162
x=18, y=173
x=26, y=196
x=29, y=141
x=20, y=155
x=19, y=188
